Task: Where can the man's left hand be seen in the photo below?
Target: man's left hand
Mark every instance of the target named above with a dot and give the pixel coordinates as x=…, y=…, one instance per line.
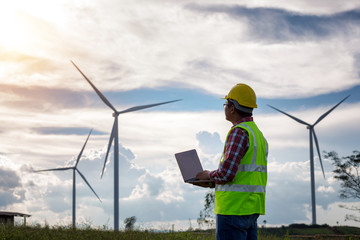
x=204, y=175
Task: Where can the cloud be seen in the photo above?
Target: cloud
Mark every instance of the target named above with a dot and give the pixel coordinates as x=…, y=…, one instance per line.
x=150, y=186
x=146, y=193
x=10, y=187
x=65, y=131
x=334, y=214
x=21, y=65
x=9, y=179
x=180, y=48
x=321, y=7
x=290, y=183
x=209, y=143
x=39, y=99
x=325, y=189
x=57, y=197
x=275, y=24
x=9, y=198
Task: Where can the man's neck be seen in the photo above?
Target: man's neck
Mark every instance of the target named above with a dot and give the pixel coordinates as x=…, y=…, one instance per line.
x=241, y=119
x=236, y=119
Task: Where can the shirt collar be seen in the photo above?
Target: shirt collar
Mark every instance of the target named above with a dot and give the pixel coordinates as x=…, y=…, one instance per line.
x=244, y=119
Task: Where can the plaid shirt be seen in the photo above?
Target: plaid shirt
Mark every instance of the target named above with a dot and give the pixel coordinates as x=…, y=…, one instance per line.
x=237, y=144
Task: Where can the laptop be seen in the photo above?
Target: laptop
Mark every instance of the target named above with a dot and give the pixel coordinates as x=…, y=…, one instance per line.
x=189, y=164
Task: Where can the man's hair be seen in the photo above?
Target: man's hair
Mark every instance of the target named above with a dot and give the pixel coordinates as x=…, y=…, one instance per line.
x=242, y=113
x=248, y=113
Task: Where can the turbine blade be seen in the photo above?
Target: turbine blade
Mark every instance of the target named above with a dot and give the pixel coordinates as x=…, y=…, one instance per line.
x=83, y=177
x=55, y=169
x=325, y=114
x=318, y=150
x=137, y=108
x=108, y=148
x=103, y=98
x=79, y=156
x=296, y=119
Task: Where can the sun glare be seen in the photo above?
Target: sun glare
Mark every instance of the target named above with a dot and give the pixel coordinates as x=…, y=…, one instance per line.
x=19, y=22
x=13, y=34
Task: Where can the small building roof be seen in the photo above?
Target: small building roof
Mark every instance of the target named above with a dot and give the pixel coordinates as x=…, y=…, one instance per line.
x=15, y=214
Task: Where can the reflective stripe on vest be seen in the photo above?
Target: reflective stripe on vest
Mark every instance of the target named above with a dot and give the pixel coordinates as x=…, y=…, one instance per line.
x=240, y=188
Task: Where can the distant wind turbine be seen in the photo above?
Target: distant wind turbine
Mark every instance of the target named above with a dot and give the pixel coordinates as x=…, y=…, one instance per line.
x=115, y=136
x=311, y=135
x=75, y=169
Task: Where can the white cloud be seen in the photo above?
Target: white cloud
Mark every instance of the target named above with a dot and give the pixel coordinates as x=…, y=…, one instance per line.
x=319, y=7
x=209, y=143
x=325, y=189
x=148, y=45
x=150, y=186
x=334, y=215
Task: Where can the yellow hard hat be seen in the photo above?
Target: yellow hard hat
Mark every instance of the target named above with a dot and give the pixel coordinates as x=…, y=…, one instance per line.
x=243, y=94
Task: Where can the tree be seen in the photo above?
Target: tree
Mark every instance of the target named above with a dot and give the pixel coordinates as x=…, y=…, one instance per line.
x=207, y=215
x=264, y=223
x=129, y=223
x=347, y=173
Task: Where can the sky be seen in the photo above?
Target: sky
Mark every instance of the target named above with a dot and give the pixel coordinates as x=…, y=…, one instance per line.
x=300, y=56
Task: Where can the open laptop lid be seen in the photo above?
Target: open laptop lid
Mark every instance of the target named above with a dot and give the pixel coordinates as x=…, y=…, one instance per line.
x=189, y=164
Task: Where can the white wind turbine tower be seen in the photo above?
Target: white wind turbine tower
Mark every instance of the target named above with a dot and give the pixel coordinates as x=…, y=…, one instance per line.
x=311, y=135
x=75, y=169
x=115, y=136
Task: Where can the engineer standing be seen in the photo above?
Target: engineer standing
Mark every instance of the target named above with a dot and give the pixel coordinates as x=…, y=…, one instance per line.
x=240, y=180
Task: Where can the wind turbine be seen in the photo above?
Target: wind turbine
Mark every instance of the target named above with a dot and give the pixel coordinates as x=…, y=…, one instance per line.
x=115, y=136
x=75, y=169
x=311, y=135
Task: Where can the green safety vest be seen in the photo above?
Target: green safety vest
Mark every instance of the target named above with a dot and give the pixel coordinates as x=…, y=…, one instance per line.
x=245, y=195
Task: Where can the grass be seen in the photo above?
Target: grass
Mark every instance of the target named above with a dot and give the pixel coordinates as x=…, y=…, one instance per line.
x=38, y=233
x=291, y=232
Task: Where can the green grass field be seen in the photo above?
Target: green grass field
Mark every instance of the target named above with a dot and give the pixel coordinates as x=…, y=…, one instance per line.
x=291, y=232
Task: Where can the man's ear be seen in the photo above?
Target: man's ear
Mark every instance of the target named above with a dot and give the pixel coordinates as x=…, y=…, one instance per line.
x=232, y=110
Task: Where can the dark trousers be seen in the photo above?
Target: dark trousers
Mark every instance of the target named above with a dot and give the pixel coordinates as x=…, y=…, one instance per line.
x=230, y=227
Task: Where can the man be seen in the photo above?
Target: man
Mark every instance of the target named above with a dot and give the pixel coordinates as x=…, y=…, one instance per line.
x=240, y=180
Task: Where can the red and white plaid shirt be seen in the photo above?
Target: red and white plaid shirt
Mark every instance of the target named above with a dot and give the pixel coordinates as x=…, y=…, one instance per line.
x=237, y=144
